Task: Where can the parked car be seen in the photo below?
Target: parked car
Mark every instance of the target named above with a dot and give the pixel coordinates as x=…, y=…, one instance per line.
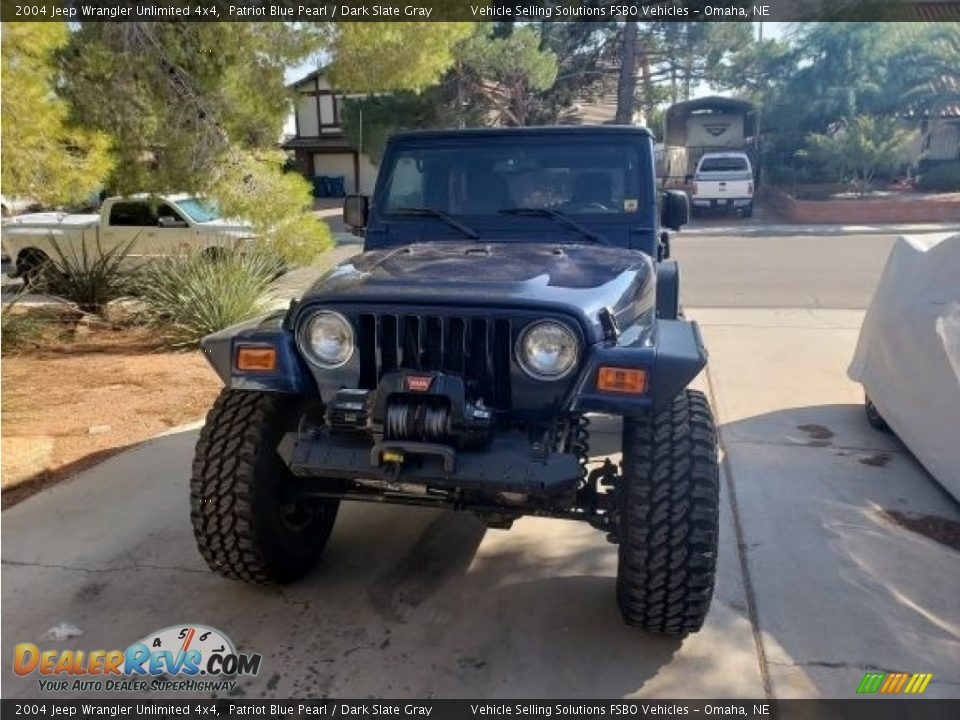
x=724, y=181
x=152, y=225
x=513, y=281
x=908, y=354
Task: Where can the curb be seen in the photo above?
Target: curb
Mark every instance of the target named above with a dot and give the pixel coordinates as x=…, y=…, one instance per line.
x=788, y=230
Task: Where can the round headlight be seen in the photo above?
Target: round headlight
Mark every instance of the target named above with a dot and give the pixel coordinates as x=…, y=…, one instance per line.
x=327, y=339
x=547, y=350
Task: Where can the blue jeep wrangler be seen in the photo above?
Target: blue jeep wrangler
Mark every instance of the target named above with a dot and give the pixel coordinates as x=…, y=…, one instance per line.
x=513, y=282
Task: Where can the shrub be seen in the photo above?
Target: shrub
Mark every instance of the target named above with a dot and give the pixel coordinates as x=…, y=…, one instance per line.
x=89, y=276
x=860, y=148
x=23, y=328
x=19, y=329
x=941, y=178
x=193, y=295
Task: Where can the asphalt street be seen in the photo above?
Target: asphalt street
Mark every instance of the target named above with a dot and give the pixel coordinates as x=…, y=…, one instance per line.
x=780, y=271
x=816, y=586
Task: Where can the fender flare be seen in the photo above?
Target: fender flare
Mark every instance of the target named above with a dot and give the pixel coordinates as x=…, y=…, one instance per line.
x=668, y=290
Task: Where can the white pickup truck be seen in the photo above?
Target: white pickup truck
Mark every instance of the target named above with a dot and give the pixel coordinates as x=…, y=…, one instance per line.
x=155, y=225
x=723, y=180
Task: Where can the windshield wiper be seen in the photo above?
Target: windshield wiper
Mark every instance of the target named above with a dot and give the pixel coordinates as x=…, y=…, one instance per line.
x=558, y=217
x=440, y=215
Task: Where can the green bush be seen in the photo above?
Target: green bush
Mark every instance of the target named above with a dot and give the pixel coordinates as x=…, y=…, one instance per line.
x=941, y=178
x=860, y=149
x=88, y=275
x=189, y=296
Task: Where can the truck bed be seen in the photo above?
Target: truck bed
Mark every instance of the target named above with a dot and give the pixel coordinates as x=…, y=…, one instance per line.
x=50, y=221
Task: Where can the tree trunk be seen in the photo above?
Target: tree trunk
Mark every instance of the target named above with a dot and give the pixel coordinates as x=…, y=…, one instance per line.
x=627, y=85
x=647, y=104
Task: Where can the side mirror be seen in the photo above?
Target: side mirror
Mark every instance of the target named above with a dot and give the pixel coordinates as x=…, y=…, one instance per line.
x=356, y=208
x=168, y=221
x=675, y=209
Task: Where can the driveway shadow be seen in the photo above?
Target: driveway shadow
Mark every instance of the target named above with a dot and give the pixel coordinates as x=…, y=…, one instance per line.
x=405, y=602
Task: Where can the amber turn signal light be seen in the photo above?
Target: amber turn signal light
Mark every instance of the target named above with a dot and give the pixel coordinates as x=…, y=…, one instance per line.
x=627, y=380
x=256, y=358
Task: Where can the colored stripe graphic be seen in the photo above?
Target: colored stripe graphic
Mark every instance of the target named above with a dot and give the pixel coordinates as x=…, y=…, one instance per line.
x=919, y=683
x=871, y=682
x=900, y=683
x=894, y=683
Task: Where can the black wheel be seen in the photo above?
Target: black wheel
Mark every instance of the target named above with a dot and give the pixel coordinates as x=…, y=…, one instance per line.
x=873, y=415
x=748, y=211
x=34, y=268
x=247, y=528
x=669, y=517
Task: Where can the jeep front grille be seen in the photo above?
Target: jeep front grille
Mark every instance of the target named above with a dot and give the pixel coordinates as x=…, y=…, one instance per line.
x=476, y=348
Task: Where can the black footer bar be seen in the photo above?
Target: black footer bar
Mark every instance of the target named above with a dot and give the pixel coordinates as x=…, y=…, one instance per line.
x=858, y=709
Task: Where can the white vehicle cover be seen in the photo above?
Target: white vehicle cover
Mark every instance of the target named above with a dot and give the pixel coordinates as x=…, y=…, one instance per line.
x=908, y=355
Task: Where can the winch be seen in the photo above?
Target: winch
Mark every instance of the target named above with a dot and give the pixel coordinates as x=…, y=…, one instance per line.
x=426, y=419
x=399, y=410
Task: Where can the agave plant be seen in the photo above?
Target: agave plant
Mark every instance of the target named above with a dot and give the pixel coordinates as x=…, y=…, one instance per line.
x=87, y=274
x=199, y=293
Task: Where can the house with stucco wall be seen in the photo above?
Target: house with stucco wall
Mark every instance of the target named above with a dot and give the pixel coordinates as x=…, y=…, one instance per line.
x=319, y=145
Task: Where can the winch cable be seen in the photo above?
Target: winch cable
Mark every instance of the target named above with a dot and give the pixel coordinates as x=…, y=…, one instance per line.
x=417, y=421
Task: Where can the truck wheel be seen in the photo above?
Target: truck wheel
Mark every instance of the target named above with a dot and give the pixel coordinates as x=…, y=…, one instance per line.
x=748, y=211
x=873, y=415
x=244, y=526
x=34, y=266
x=669, y=517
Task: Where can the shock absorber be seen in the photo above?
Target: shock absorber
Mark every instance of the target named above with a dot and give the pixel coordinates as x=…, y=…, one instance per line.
x=576, y=440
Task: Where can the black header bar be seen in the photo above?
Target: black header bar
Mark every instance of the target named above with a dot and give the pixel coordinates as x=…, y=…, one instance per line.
x=476, y=10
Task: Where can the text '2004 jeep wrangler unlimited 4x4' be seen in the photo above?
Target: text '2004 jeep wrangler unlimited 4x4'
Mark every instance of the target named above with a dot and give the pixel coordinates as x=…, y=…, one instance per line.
x=512, y=282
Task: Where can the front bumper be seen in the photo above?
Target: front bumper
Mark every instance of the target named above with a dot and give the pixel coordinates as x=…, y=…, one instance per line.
x=721, y=202
x=508, y=464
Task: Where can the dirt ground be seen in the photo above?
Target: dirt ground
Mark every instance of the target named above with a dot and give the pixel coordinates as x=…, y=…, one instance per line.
x=68, y=406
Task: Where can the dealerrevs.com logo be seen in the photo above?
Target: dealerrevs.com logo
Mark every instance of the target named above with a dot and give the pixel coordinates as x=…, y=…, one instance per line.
x=190, y=654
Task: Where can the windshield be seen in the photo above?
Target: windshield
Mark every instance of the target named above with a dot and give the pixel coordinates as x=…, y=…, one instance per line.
x=200, y=211
x=485, y=179
x=723, y=164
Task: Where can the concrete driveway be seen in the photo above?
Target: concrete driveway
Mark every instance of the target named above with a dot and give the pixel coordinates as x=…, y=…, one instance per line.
x=815, y=587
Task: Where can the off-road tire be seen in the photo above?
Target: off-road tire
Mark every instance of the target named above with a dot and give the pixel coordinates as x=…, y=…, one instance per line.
x=873, y=415
x=241, y=518
x=669, y=517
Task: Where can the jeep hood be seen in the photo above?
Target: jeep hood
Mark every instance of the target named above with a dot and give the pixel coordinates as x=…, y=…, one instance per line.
x=579, y=280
